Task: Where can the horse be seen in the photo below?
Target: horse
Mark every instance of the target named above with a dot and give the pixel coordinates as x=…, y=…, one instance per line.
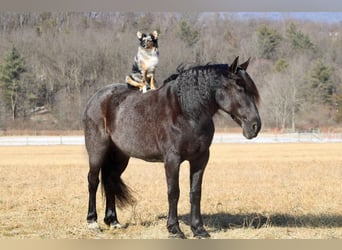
x=171, y=124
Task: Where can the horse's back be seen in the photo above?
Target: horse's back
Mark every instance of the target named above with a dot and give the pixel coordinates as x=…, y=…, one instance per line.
x=96, y=103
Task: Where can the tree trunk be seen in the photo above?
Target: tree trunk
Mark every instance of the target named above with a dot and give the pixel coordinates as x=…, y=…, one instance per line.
x=14, y=105
x=293, y=110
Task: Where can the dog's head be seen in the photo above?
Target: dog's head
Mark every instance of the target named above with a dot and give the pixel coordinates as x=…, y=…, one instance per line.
x=148, y=41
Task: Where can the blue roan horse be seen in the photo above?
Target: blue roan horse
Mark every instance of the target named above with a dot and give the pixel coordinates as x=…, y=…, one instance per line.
x=171, y=124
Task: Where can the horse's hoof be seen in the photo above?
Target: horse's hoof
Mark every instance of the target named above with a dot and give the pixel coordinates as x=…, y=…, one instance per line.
x=175, y=232
x=93, y=225
x=114, y=226
x=179, y=235
x=200, y=233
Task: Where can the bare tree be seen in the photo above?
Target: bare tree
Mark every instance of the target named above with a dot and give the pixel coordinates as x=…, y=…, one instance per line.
x=70, y=55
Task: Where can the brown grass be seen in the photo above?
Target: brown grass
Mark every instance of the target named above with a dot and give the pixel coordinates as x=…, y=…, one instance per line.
x=249, y=191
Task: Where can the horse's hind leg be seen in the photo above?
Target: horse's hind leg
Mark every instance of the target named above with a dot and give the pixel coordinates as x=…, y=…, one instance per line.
x=115, y=190
x=97, y=146
x=93, y=182
x=96, y=156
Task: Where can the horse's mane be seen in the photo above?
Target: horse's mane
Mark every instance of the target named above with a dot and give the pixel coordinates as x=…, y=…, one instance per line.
x=193, y=69
x=195, y=86
x=185, y=68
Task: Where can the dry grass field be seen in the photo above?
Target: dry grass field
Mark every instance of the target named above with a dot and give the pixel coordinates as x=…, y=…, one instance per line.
x=259, y=191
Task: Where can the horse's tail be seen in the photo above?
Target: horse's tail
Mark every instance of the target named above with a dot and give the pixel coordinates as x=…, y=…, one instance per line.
x=123, y=194
x=112, y=184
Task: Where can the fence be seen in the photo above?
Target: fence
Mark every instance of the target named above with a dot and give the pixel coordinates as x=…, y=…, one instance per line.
x=41, y=140
x=218, y=138
x=280, y=138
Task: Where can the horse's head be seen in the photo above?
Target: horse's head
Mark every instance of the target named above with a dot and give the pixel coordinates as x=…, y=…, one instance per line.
x=238, y=96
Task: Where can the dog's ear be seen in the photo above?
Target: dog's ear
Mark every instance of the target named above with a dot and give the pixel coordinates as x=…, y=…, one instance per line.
x=155, y=34
x=139, y=35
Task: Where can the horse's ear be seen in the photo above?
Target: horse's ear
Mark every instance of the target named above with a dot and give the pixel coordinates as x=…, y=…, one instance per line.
x=245, y=64
x=139, y=35
x=234, y=65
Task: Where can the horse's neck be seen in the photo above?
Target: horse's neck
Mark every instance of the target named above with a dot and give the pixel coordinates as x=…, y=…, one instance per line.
x=197, y=101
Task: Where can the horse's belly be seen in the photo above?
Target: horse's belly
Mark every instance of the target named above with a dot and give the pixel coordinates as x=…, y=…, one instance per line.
x=136, y=144
x=138, y=127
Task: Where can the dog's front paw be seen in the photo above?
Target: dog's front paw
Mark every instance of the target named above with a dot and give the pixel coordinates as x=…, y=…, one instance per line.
x=144, y=89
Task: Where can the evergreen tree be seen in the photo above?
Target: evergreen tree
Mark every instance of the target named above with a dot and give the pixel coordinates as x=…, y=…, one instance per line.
x=268, y=42
x=281, y=65
x=10, y=79
x=338, y=107
x=299, y=40
x=187, y=33
x=321, y=82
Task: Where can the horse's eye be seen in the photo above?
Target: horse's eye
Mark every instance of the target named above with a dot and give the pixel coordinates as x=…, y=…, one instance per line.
x=240, y=89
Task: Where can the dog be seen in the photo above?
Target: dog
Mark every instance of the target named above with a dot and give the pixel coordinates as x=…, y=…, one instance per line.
x=145, y=62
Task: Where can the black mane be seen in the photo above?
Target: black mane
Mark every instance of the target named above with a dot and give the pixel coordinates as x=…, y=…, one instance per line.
x=218, y=69
x=195, y=86
x=194, y=68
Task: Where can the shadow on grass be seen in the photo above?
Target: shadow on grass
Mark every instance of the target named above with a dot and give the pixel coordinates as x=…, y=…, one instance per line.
x=223, y=221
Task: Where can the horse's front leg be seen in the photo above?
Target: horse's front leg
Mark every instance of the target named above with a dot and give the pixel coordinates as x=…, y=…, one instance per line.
x=172, y=177
x=197, y=167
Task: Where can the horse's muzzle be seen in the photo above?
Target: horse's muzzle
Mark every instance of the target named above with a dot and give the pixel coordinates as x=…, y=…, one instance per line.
x=251, y=128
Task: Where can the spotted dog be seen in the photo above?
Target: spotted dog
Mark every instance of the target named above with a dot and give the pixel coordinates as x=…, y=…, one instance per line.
x=145, y=62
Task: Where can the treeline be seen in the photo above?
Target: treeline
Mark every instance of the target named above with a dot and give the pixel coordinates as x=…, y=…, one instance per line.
x=51, y=63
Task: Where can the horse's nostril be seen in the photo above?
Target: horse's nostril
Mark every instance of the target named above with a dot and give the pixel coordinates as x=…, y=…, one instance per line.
x=255, y=127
